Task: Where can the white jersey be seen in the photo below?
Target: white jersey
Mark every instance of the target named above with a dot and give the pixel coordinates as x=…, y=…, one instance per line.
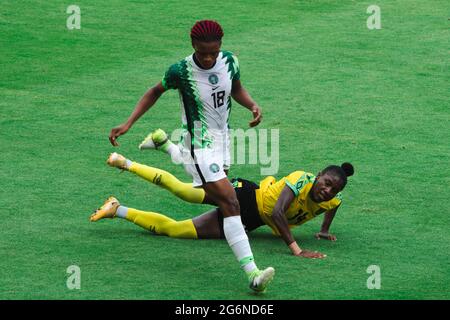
x=205, y=97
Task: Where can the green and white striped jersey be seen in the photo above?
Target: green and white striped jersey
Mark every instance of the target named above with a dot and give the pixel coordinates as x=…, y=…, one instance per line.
x=204, y=95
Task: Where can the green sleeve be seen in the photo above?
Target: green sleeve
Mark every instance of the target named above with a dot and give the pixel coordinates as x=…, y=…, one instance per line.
x=237, y=73
x=292, y=187
x=299, y=184
x=171, y=77
x=233, y=65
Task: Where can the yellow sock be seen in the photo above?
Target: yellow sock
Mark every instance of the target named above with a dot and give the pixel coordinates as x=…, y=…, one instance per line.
x=160, y=224
x=169, y=182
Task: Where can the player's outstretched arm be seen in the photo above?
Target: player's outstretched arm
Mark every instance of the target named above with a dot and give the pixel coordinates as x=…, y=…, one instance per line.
x=146, y=102
x=242, y=97
x=324, y=230
x=279, y=218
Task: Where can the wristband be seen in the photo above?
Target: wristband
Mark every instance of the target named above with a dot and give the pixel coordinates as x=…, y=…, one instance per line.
x=295, y=248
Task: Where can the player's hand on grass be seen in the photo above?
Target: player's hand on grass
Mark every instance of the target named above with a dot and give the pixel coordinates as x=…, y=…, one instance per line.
x=257, y=116
x=117, y=132
x=326, y=236
x=311, y=254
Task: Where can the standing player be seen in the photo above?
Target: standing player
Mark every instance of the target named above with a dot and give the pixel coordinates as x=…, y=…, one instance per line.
x=205, y=81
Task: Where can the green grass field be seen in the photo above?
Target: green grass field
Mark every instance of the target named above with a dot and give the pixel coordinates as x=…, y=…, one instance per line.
x=336, y=90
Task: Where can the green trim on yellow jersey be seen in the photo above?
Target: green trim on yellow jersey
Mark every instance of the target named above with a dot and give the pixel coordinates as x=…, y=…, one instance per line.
x=293, y=188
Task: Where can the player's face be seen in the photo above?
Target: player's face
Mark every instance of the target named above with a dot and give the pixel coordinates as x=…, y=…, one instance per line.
x=325, y=187
x=206, y=52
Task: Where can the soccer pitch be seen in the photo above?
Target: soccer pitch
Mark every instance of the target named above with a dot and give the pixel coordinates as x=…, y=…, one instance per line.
x=336, y=91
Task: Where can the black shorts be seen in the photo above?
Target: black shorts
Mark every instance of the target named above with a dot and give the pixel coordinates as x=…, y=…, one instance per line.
x=245, y=192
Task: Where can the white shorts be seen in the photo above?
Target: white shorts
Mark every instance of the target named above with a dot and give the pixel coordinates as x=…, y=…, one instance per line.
x=207, y=164
x=227, y=157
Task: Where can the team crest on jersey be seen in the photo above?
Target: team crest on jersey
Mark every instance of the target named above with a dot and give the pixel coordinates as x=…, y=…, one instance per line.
x=213, y=79
x=214, y=168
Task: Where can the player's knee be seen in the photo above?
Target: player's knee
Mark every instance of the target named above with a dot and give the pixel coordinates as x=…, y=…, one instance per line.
x=231, y=206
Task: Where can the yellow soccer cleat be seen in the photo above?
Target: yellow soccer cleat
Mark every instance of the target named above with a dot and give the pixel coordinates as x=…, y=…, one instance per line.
x=156, y=140
x=117, y=160
x=260, y=279
x=107, y=210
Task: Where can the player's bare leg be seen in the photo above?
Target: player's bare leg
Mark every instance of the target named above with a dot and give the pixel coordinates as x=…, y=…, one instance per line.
x=208, y=226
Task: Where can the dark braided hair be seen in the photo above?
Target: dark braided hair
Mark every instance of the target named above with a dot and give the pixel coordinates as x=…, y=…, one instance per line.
x=206, y=31
x=345, y=170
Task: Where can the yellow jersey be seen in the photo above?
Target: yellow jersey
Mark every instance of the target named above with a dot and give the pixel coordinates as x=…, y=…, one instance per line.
x=302, y=209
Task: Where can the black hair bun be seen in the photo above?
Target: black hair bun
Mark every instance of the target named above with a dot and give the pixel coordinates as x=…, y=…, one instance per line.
x=348, y=168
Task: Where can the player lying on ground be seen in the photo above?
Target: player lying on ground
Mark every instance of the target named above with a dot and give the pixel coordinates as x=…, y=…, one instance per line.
x=206, y=80
x=283, y=204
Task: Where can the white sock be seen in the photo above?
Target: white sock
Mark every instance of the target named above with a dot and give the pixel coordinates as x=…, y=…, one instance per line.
x=175, y=153
x=122, y=212
x=238, y=241
x=128, y=164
